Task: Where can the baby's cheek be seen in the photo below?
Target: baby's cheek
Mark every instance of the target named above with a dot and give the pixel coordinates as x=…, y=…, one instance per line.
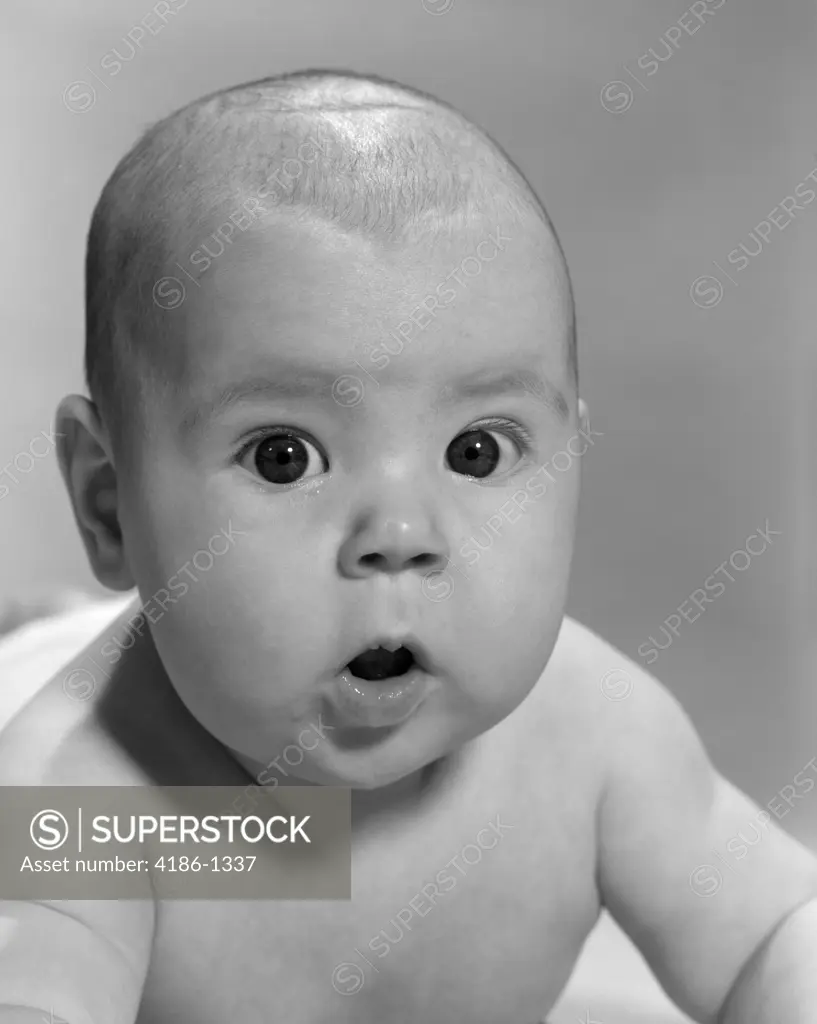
x=219, y=664
x=517, y=588
x=520, y=545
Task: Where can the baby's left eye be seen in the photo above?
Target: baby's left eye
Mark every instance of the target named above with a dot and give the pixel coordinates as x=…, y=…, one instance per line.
x=479, y=451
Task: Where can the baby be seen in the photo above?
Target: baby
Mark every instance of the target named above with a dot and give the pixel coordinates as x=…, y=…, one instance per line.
x=331, y=342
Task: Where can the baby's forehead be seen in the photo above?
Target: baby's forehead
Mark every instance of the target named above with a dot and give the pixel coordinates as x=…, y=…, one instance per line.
x=299, y=297
x=467, y=254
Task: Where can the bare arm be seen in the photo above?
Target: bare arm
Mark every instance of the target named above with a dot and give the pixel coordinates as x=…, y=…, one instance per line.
x=84, y=962
x=722, y=937
x=779, y=983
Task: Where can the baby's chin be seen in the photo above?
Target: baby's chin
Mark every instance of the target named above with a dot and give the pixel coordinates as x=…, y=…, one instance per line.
x=360, y=759
x=363, y=776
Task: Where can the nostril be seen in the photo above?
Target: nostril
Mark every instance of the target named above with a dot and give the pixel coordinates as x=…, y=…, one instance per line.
x=374, y=561
x=383, y=563
x=425, y=561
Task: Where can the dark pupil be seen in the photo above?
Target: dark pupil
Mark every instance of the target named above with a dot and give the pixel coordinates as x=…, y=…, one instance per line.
x=281, y=460
x=475, y=453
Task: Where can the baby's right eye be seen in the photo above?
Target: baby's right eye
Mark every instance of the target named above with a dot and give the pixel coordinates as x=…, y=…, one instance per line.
x=284, y=457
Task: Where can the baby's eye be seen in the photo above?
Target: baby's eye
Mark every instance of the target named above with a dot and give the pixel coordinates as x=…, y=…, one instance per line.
x=286, y=457
x=479, y=451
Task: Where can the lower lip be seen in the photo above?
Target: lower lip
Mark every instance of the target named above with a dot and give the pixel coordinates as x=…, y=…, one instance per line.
x=386, y=702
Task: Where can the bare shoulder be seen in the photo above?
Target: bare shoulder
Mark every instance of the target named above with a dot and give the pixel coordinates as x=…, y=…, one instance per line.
x=646, y=745
x=596, y=669
x=575, y=720
x=588, y=678
x=612, y=706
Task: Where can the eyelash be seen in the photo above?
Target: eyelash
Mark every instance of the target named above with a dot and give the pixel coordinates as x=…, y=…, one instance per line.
x=280, y=431
x=519, y=434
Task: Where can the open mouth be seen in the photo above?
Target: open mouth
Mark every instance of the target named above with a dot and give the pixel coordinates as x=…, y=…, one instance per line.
x=384, y=684
x=380, y=663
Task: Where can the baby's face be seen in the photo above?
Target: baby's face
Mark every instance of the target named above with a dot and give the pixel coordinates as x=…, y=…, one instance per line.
x=371, y=499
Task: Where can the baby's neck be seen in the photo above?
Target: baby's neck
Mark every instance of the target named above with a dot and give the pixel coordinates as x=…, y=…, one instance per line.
x=403, y=794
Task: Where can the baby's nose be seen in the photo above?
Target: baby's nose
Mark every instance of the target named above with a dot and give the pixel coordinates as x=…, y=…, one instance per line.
x=393, y=546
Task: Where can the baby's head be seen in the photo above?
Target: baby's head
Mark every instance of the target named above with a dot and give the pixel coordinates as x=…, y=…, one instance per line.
x=330, y=346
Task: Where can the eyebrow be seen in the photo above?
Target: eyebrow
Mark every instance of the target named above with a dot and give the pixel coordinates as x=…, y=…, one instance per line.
x=487, y=384
x=304, y=384
x=307, y=383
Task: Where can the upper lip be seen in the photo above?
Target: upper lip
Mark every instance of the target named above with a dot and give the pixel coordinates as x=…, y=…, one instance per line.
x=391, y=642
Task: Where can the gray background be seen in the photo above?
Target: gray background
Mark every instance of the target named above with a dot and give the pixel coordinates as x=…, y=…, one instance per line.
x=707, y=413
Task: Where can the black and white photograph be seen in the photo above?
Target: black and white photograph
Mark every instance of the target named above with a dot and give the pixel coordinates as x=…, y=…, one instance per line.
x=408, y=485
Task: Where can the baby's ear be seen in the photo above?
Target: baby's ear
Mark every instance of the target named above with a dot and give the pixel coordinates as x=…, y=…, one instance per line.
x=86, y=464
